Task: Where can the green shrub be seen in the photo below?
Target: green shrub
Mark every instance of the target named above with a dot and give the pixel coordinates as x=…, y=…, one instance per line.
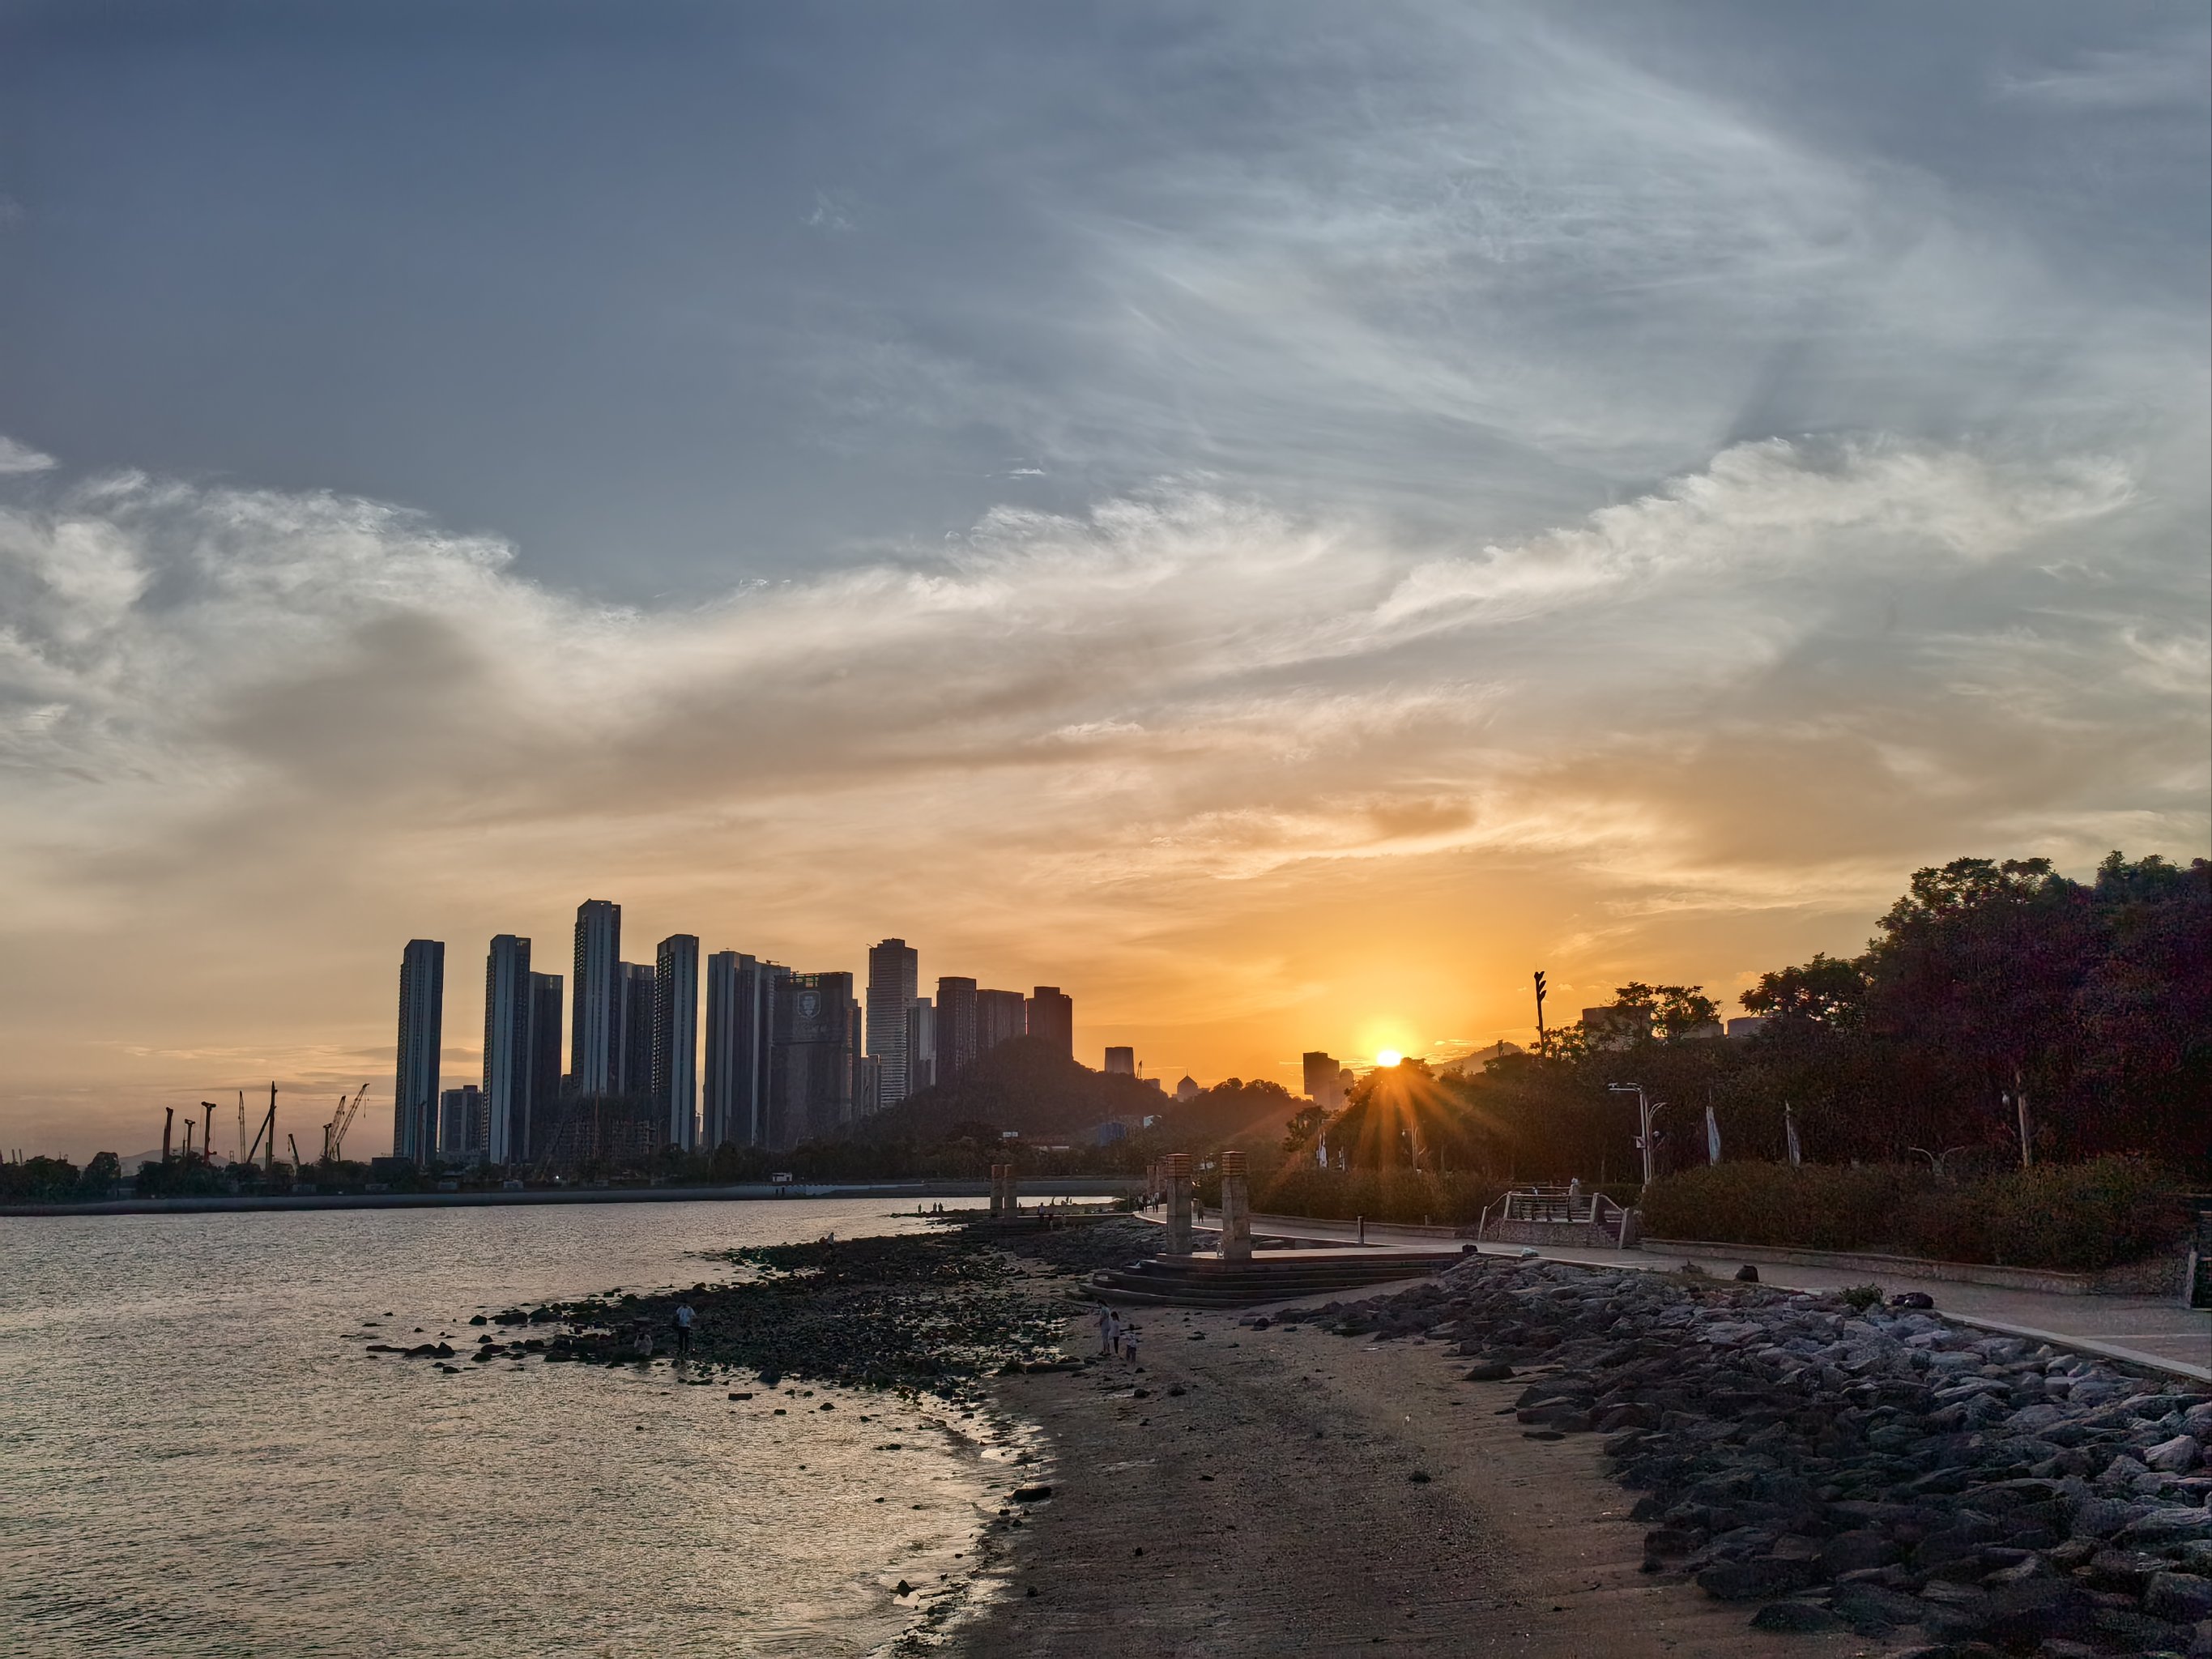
x=1860, y=1298
x=2077, y=1216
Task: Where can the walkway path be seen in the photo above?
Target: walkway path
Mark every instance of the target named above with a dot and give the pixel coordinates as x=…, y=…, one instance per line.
x=2142, y=1330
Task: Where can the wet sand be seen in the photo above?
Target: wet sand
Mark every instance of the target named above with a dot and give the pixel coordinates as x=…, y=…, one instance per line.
x=1270, y=1510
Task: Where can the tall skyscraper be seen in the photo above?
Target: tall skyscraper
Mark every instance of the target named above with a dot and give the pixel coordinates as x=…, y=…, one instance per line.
x=421, y=1031
x=1322, y=1088
x=508, y=1050
x=1121, y=1062
x=676, y=1037
x=921, y=1045
x=633, y=1053
x=544, y=1069
x=1000, y=1017
x=742, y=996
x=1051, y=1018
x=595, y=1012
x=956, y=1027
x=816, y=1042
x=892, y=987
x=462, y=1124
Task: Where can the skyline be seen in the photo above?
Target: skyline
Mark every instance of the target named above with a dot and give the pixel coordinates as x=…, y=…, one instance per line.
x=1278, y=522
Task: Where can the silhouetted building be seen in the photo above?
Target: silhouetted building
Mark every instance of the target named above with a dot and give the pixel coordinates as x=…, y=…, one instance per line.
x=1120, y=1062
x=421, y=1031
x=1187, y=1089
x=956, y=1027
x=508, y=1051
x=892, y=989
x=1324, y=1086
x=742, y=997
x=1000, y=1017
x=461, y=1124
x=633, y=1049
x=921, y=1045
x=676, y=1037
x=1744, y=1025
x=1050, y=1016
x=816, y=1042
x=868, y=1086
x=545, y=991
x=595, y=1015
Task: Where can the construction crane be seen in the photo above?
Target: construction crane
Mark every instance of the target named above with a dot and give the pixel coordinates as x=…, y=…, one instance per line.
x=295, y=1141
x=268, y=1129
x=334, y=1131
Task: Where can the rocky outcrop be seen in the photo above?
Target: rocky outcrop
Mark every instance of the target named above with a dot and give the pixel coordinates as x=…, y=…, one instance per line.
x=1881, y=1469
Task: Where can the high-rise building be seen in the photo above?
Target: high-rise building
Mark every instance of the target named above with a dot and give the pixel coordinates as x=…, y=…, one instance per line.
x=421, y=1031
x=956, y=1027
x=1050, y=1017
x=816, y=1041
x=868, y=1086
x=634, y=1053
x=462, y=1124
x=1121, y=1062
x=892, y=987
x=545, y=1068
x=1000, y=1018
x=595, y=1028
x=742, y=995
x=508, y=1050
x=921, y=1045
x=676, y=1037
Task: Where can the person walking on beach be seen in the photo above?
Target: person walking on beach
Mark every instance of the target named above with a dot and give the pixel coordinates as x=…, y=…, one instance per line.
x=683, y=1318
x=1109, y=1329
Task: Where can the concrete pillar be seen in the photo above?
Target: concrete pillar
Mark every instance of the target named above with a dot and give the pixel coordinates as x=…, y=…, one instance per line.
x=1235, y=1210
x=998, y=1190
x=1013, y=1194
x=1178, y=1185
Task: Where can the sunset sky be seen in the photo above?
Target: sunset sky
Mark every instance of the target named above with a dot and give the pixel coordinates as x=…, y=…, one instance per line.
x=1279, y=520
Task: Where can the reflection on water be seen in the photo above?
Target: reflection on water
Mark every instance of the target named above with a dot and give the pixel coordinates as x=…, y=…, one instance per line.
x=197, y=1457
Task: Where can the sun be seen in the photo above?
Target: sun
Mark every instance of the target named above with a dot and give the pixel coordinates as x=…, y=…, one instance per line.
x=1387, y=1057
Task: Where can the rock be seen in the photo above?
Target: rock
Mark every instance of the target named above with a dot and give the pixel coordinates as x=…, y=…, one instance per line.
x=904, y=1589
x=1759, y=1579
x=1418, y=1477
x=2026, y=1613
x=1803, y=1617
x=1912, y=1299
x=1032, y=1494
x=1489, y=1371
x=2153, y=1527
x=1747, y=1274
x=2181, y=1597
x=1856, y=1551
x=2176, y=1456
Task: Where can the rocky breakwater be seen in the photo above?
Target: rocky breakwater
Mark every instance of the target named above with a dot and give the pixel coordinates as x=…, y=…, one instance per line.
x=1848, y=1465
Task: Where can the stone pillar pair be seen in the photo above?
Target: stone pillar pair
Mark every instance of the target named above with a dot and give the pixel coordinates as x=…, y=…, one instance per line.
x=1005, y=1202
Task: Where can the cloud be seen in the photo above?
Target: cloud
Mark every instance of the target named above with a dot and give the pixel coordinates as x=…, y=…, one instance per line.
x=16, y=457
x=2135, y=78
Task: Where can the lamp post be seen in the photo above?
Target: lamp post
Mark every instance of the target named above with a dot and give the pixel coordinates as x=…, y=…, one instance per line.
x=1646, y=1110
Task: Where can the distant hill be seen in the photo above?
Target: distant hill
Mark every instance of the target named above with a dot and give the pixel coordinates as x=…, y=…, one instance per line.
x=1025, y=1085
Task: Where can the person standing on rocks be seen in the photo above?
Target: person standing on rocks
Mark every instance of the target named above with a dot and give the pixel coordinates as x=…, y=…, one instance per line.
x=683, y=1318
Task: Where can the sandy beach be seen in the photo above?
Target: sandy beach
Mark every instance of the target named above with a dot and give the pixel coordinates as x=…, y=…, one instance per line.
x=1260, y=1497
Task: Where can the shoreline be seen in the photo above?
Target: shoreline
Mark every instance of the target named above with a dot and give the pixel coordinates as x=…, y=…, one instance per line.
x=1271, y=1507
x=750, y=1192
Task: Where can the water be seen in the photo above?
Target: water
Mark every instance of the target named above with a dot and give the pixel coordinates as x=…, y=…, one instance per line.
x=197, y=1456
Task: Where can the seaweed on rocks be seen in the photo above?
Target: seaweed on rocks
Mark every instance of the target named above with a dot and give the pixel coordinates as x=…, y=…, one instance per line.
x=1838, y=1461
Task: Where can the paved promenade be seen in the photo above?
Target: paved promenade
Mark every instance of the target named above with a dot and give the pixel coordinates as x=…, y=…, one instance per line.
x=2146, y=1330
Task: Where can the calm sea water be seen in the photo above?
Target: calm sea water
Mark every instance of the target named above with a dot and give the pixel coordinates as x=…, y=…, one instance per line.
x=197, y=1456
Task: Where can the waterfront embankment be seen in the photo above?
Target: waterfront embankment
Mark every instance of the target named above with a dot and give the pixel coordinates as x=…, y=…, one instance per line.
x=216, y=1203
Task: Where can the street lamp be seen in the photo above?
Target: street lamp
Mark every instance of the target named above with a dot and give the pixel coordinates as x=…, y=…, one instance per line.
x=1646, y=1110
